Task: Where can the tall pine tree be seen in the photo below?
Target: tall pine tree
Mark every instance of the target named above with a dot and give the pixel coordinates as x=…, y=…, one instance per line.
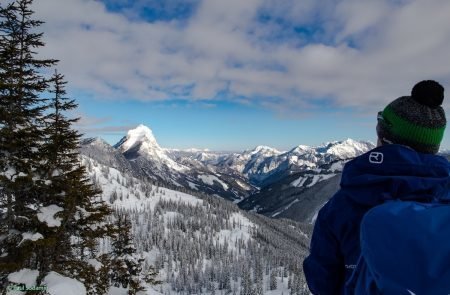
x=51, y=216
x=125, y=268
x=21, y=136
x=83, y=215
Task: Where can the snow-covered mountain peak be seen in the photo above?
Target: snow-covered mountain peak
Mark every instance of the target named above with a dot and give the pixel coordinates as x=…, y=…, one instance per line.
x=141, y=136
x=348, y=148
x=266, y=150
x=140, y=142
x=301, y=149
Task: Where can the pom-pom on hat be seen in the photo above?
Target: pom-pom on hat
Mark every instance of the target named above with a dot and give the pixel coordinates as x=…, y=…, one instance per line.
x=417, y=121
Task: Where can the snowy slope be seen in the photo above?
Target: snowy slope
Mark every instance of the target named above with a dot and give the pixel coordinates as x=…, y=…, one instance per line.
x=297, y=195
x=53, y=283
x=201, y=244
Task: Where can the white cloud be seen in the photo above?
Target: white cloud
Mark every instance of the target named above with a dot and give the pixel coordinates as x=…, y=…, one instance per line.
x=371, y=51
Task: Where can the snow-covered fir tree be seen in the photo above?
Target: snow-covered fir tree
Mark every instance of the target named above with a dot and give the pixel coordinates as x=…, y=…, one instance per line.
x=21, y=137
x=125, y=268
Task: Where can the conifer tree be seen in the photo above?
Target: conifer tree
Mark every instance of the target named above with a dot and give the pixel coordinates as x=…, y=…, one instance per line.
x=83, y=213
x=40, y=170
x=273, y=280
x=58, y=149
x=125, y=269
x=21, y=119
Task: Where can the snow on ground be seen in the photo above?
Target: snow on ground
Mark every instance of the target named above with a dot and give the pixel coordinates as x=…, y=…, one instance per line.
x=285, y=208
x=315, y=179
x=338, y=166
x=47, y=215
x=276, y=214
x=58, y=284
x=318, y=178
x=11, y=173
x=299, y=182
x=209, y=179
x=95, y=263
x=31, y=237
x=130, y=191
x=242, y=231
x=192, y=186
x=282, y=286
x=151, y=256
x=243, y=185
x=24, y=276
x=117, y=291
x=169, y=216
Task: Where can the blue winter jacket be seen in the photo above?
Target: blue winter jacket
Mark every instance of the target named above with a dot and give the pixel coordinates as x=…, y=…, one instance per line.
x=384, y=173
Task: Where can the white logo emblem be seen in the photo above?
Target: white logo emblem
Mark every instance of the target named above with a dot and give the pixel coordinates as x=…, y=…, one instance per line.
x=376, y=158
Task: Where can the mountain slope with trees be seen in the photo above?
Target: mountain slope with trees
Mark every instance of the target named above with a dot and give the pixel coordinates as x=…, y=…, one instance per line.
x=198, y=244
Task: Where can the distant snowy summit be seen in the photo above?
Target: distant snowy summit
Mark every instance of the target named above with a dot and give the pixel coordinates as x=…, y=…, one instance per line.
x=141, y=142
x=141, y=135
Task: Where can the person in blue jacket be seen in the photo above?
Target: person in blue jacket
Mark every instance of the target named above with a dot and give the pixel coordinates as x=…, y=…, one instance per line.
x=403, y=166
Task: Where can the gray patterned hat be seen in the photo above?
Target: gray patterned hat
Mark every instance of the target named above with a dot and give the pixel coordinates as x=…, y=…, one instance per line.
x=417, y=121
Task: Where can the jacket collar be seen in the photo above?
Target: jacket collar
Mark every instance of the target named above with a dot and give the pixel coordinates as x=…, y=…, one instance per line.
x=396, y=172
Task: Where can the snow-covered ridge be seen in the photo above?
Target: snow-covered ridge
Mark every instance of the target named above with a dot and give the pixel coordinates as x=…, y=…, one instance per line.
x=346, y=149
x=187, y=238
x=262, y=162
x=262, y=149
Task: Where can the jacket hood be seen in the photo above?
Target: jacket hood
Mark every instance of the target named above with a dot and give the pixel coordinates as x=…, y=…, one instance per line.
x=394, y=172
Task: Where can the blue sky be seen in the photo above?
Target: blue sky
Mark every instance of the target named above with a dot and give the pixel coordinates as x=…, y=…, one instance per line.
x=223, y=126
x=230, y=75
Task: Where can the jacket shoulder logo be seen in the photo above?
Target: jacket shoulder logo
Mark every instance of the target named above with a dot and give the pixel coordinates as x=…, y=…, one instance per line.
x=376, y=158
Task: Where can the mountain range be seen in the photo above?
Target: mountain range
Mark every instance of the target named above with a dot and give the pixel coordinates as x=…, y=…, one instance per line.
x=264, y=179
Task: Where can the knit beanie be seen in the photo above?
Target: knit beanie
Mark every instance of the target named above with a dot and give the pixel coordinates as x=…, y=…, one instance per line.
x=417, y=121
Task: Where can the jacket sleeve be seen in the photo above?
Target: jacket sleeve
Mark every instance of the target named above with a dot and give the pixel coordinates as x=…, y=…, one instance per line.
x=324, y=268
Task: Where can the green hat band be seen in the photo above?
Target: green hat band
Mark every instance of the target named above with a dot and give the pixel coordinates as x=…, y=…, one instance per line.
x=410, y=131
